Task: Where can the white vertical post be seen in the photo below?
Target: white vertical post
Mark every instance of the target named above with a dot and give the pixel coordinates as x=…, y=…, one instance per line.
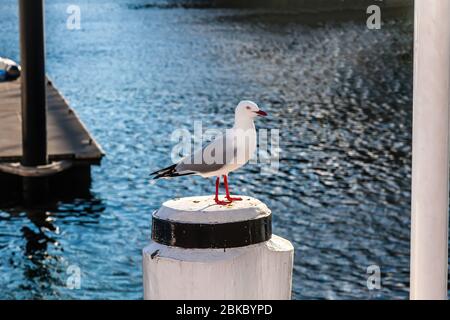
x=203, y=251
x=430, y=179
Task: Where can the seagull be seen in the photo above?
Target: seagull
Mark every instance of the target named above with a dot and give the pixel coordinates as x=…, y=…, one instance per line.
x=226, y=153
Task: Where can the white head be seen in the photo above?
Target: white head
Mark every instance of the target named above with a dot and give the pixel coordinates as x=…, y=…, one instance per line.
x=248, y=109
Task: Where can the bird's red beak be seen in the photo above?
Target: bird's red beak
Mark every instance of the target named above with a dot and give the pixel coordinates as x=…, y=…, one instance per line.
x=261, y=113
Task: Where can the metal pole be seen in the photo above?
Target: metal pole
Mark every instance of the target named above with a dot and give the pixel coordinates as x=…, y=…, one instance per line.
x=430, y=179
x=34, y=125
x=32, y=53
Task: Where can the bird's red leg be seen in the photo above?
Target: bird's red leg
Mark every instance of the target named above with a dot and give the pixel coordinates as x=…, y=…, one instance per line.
x=229, y=198
x=216, y=199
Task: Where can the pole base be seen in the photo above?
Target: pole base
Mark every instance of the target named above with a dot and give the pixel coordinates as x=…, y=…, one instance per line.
x=258, y=272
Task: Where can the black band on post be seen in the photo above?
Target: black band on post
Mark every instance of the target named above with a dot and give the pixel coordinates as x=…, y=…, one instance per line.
x=212, y=236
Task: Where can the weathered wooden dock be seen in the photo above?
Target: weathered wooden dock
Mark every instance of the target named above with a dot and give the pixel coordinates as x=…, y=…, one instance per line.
x=67, y=138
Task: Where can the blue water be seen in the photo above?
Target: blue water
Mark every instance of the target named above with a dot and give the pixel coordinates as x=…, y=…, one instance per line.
x=339, y=93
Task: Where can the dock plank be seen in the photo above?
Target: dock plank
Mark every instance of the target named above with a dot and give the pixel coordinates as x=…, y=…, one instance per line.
x=68, y=139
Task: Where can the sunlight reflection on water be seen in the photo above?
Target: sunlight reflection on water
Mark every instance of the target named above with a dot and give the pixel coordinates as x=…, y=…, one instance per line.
x=339, y=93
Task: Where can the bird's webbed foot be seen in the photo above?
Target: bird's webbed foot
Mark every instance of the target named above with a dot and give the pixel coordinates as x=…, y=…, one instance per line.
x=231, y=199
x=221, y=203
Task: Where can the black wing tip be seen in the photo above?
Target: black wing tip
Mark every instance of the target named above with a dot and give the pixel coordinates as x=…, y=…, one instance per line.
x=169, y=172
x=166, y=172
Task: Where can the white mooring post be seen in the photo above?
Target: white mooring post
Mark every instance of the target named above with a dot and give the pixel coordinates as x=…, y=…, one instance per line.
x=200, y=250
x=429, y=221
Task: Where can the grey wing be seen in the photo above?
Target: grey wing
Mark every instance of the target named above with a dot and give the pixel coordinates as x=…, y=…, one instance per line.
x=212, y=157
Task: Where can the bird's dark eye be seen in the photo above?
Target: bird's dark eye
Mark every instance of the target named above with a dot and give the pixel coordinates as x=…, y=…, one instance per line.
x=248, y=108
